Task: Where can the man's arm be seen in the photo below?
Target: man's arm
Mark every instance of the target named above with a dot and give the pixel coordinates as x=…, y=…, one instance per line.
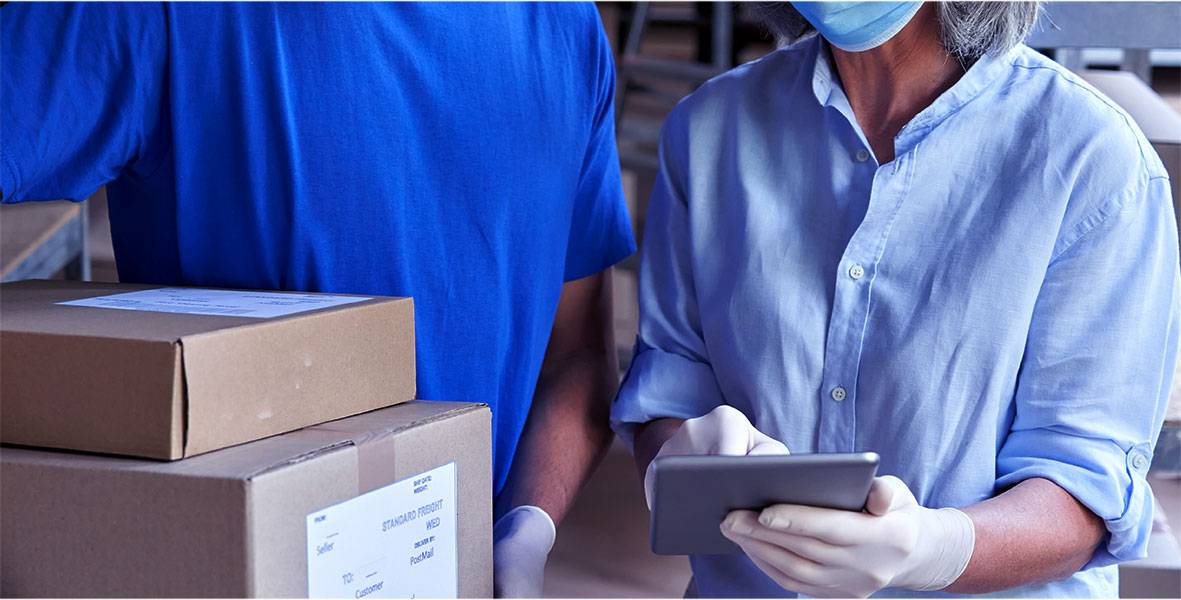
x=567, y=432
x=650, y=437
x=1034, y=532
x=81, y=94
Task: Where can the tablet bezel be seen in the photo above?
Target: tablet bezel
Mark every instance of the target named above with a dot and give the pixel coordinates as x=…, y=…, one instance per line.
x=710, y=486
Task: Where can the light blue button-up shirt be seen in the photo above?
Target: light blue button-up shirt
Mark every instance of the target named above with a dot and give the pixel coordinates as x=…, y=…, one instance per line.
x=999, y=302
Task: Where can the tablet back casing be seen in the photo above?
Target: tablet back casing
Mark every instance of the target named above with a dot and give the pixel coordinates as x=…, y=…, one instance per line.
x=693, y=494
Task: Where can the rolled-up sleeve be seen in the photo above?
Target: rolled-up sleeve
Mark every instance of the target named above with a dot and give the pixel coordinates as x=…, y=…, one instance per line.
x=1098, y=366
x=670, y=374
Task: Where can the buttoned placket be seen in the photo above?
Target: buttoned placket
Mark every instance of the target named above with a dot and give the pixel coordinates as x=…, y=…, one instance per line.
x=851, y=303
x=859, y=265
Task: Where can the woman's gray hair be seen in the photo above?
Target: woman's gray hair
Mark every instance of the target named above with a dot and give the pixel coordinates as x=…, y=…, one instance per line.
x=969, y=30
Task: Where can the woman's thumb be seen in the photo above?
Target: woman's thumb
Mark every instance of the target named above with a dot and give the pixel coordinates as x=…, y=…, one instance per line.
x=888, y=494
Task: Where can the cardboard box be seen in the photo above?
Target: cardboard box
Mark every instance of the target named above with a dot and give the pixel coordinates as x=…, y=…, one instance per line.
x=236, y=522
x=120, y=376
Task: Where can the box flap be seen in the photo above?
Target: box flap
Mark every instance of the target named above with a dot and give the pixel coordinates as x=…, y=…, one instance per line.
x=278, y=375
x=367, y=429
x=92, y=379
x=32, y=305
x=376, y=425
x=247, y=461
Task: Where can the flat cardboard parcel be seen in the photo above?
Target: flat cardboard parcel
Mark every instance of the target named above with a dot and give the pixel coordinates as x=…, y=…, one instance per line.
x=168, y=385
x=236, y=522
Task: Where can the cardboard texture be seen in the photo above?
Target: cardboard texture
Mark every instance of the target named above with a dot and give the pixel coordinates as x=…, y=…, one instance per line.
x=230, y=523
x=166, y=385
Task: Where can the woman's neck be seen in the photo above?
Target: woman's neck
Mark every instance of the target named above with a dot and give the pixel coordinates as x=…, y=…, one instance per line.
x=888, y=85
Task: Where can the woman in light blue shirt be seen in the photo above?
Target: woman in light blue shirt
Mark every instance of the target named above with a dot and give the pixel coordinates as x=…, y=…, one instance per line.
x=913, y=235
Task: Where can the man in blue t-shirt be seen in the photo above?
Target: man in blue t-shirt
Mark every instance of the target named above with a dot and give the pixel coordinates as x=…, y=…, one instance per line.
x=462, y=155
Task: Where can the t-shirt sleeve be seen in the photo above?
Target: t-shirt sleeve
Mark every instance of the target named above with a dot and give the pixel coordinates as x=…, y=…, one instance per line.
x=80, y=93
x=600, y=230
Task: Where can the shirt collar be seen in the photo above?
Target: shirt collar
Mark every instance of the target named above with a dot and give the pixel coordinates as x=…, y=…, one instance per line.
x=823, y=77
x=828, y=89
x=979, y=76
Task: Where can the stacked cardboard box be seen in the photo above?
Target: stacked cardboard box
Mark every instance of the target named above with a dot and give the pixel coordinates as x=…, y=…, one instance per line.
x=271, y=495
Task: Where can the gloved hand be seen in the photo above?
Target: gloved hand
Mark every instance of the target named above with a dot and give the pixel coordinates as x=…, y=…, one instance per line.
x=521, y=541
x=724, y=430
x=827, y=552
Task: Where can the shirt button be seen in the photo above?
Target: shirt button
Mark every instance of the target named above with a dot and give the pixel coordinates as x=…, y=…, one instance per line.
x=856, y=271
x=1139, y=462
x=838, y=393
x=862, y=155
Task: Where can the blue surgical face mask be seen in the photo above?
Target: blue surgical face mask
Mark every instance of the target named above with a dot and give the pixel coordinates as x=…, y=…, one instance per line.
x=857, y=26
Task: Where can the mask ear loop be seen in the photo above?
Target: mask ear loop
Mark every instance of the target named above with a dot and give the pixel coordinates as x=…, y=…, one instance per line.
x=885, y=35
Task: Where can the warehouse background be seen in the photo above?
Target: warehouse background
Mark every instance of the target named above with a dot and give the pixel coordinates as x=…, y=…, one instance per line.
x=663, y=52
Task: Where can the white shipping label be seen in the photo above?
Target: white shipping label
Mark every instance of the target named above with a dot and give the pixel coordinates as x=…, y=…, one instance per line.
x=395, y=542
x=230, y=303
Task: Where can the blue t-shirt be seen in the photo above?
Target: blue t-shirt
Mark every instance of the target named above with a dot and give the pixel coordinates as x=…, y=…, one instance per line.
x=460, y=154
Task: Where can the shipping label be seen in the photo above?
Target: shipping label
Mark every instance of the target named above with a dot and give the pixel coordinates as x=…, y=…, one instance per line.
x=229, y=303
x=398, y=541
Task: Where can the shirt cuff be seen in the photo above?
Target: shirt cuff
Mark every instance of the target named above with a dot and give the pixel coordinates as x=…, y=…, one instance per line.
x=660, y=385
x=1109, y=480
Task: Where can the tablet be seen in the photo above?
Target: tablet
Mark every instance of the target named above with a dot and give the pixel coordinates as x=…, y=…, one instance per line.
x=692, y=494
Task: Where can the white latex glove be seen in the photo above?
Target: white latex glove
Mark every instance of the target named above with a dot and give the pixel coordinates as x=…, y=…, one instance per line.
x=521, y=541
x=724, y=430
x=826, y=552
